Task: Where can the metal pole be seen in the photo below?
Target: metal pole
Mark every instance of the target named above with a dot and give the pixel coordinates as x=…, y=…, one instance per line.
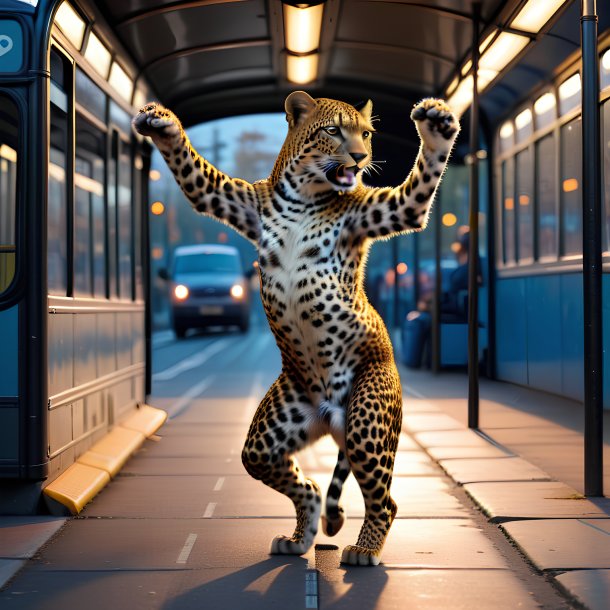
x=435, y=331
x=473, y=245
x=592, y=247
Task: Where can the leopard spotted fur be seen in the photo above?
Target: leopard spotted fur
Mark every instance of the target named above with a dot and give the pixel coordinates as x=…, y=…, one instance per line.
x=313, y=221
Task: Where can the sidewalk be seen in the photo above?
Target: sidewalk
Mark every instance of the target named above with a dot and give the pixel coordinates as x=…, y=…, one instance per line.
x=539, y=507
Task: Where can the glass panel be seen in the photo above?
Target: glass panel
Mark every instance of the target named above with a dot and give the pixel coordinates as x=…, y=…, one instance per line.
x=546, y=172
x=606, y=166
x=507, y=136
x=545, y=110
x=524, y=124
x=605, y=70
x=508, y=210
x=9, y=121
x=89, y=182
x=112, y=218
x=525, y=199
x=571, y=184
x=569, y=94
x=137, y=228
x=125, y=222
x=90, y=96
x=120, y=118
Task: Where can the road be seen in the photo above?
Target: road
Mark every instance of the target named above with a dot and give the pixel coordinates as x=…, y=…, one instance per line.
x=184, y=527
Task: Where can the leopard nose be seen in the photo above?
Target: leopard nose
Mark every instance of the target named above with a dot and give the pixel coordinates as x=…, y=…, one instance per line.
x=357, y=157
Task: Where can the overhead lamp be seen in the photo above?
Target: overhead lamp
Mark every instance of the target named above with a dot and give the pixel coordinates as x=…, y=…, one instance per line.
x=98, y=55
x=302, y=69
x=506, y=131
x=452, y=85
x=302, y=26
x=462, y=98
x=570, y=87
x=545, y=103
x=71, y=24
x=606, y=61
x=119, y=79
x=502, y=51
x=523, y=119
x=487, y=41
x=534, y=15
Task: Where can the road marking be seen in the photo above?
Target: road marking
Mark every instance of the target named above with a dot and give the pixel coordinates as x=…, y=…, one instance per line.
x=219, y=484
x=254, y=398
x=192, y=362
x=209, y=511
x=311, y=588
x=185, y=400
x=187, y=548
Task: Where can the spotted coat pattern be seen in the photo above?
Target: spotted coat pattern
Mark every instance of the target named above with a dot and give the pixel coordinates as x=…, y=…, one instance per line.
x=313, y=221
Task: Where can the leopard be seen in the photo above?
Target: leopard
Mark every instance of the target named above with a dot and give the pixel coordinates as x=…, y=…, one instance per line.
x=313, y=221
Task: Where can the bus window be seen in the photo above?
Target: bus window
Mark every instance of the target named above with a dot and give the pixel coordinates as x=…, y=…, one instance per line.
x=57, y=213
x=89, y=217
x=125, y=220
x=525, y=201
x=546, y=191
x=571, y=193
x=9, y=120
x=508, y=210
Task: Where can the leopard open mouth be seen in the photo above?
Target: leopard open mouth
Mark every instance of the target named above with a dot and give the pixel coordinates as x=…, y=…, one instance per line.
x=343, y=176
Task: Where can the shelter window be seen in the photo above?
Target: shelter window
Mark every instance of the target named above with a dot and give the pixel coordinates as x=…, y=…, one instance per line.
x=524, y=124
x=507, y=136
x=508, y=210
x=606, y=165
x=125, y=220
x=9, y=133
x=569, y=94
x=545, y=109
x=525, y=204
x=546, y=191
x=89, y=96
x=571, y=187
x=604, y=80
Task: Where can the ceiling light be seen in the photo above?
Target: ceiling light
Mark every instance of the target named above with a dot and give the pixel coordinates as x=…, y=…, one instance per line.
x=452, y=85
x=466, y=67
x=486, y=42
x=606, y=61
x=302, y=27
x=70, y=24
x=507, y=130
x=119, y=79
x=544, y=103
x=462, y=98
x=502, y=51
x=523, y=119
x=98, y=55
x=302, y=70
x=570, y=87
x=534, y=15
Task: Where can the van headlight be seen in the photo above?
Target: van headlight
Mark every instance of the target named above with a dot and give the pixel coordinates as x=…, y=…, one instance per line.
x=181, y=292
x=237, y=292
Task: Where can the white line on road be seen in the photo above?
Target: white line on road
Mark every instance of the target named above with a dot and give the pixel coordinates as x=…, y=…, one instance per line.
x=180, y=405
x=219, y=484
x=187, y=548
x=191, y=362
x=209, y=511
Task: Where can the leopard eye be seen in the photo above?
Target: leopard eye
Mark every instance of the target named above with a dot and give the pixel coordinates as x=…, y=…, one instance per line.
x=366, y=134
x=332, y=131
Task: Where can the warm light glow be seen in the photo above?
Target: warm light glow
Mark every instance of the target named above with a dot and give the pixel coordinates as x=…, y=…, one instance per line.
x=89, y=184
x=154, y=175
x=502, y=51
x=119, y=79
x=486, y=42
x=98, y=55
x=302, y=28
x=456, y=247
x=507, y=130
x=57, y=172
x=8, y=153
x=223, y=238
x=255, y=264
x=181, y=292
x=462, y=98
x=302, y=70
x=70, y=24
x=402, y=268
x=157, y=208
x=534, y=15
x=509, y=203
x=466, y=67
x=523, y=119
x=449, y=219
x=544, y=103
x=570, y=185
x=452, y=85
x=570, y=87
x=606, y=61
x=157, y=253
x=237, y=291
x=139, y=98
x=524, y=200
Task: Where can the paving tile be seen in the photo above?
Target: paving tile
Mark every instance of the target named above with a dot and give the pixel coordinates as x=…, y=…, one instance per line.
x=197, y=446
x=417, y=405
x=492, y=469
x=423, y=422
x=353, y=589
x=478, y=451
x=560, y=544
x=450, y=438
x=535, y=500
x=143, y=464
x=21, y=537
x=8, y=569
x=590, y=587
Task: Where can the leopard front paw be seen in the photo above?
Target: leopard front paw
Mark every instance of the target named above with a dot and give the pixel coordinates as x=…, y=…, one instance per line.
x=282, y=545
x=360, y=556
x=156, y=120
x=435, y=122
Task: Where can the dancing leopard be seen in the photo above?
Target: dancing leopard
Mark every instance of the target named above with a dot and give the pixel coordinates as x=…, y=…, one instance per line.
x=312, y=222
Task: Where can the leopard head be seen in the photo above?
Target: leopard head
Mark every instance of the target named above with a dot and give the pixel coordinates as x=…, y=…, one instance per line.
x=328, y=144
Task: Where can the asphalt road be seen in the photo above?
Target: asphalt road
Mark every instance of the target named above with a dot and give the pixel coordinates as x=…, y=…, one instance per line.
x=184, y=527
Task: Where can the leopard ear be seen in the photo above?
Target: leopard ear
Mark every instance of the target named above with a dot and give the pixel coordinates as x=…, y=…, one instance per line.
x=366, y=110
x=299, y=105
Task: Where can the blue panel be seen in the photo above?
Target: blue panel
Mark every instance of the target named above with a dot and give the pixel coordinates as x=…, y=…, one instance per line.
x=9, y=323
x=606, y=331
x=9, y=433
x=11, y=46
x=544, y=332
x=511, y=330
x=572, y=347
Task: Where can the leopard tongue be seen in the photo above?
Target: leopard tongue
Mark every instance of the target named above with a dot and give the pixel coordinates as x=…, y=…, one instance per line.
x=345, y=176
